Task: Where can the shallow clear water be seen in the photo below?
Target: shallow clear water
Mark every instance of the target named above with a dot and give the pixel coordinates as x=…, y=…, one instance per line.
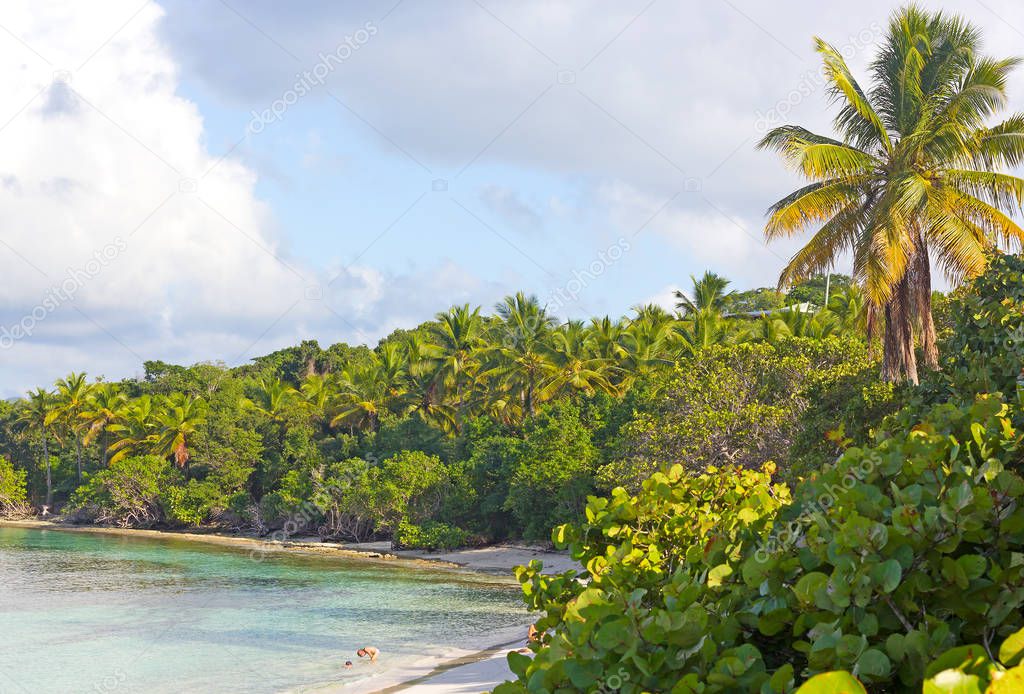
x=101, y=613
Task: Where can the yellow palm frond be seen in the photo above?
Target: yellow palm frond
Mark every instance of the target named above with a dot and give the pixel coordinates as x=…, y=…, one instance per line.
x=812, y=204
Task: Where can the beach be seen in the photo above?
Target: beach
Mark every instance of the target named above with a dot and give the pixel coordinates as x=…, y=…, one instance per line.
x=440, y=669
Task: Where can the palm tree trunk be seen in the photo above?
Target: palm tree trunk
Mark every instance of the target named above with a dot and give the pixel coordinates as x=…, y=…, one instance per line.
x=922, y=290
x=78, y=453
x=899, y=363
x=49, y=475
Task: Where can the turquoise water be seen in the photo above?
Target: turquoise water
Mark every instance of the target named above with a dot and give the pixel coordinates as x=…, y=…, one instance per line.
x=101, y=613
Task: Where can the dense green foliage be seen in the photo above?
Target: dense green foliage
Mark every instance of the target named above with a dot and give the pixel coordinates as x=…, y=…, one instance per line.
x=749, y=403
x=908, y=545
x=13, y=499
x=469, y=428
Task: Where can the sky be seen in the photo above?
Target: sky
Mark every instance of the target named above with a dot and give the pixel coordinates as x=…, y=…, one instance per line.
x=213, y=180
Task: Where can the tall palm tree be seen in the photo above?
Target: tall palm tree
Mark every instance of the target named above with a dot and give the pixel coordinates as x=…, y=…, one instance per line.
x=517, y=359
x=134, y=430
x=430, y=374
x=606, y=335
x=455, y=339
x=573, y=365
x=703, y=328
x=177, y=422
x=768, y=328
x=915, y=173
x=806, y=324
x=647, y=343
x=271, y=397
x=851, y=309
x=104, y=406
x=366, y=392
x=393, y=360
x=317, y=392
x=34, y=413
x=708, y=294
x=72, y=395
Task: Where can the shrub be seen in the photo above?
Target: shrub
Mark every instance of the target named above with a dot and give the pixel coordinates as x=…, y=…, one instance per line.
x=193, y=503
x=127, y=493
x=655, y=604
x=409, y=486
x=742, y=405
x=430, y=536
x=13, y=497
x=968, y=669
x=885, y=560
x=345, y=495
x=972, y=668
x=554, y=471
x=986, y=350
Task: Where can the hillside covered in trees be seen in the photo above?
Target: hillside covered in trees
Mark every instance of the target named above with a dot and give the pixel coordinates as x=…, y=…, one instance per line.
x=469, y=428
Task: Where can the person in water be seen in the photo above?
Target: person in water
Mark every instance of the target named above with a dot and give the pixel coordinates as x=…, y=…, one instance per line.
x=348, y=664
x=368, y=652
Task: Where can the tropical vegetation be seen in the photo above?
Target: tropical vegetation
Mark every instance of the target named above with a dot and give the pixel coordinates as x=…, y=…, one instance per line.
x=760, y=489
x=468, y=428
x=900, y=562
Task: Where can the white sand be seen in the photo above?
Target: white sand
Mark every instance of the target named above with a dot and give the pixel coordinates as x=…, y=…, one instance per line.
x=494, y=559
x=481, y=676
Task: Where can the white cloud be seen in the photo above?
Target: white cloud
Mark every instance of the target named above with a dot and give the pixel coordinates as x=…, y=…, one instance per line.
x=124, y=238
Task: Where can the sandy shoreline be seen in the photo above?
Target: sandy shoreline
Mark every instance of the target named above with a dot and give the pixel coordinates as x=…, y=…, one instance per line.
x=453, y=671
x=495, y=560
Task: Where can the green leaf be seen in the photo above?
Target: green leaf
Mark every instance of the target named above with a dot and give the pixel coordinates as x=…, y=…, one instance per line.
x=517, y=663
x=953, y=682
x=832, y=683
x=782, y=680
x=718, y=575
x=887, y=575
x=872, y=665
x=1012, y=650
x=583, y=674
x=807, y=586
x=611, y=634
x=969, y=658
x=973, y=565
x=1011, y=682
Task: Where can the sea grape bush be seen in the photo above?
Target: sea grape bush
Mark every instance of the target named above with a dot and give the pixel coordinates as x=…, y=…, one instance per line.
x=657, y=601
x=919, y=550
x=986, y=349
x=970, y=669
x=128, y=493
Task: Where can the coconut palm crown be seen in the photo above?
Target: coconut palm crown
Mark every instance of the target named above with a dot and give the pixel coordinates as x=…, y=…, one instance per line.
x=917, y=174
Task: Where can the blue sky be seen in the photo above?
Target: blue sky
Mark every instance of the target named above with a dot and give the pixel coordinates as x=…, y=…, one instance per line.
x=453, y=151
